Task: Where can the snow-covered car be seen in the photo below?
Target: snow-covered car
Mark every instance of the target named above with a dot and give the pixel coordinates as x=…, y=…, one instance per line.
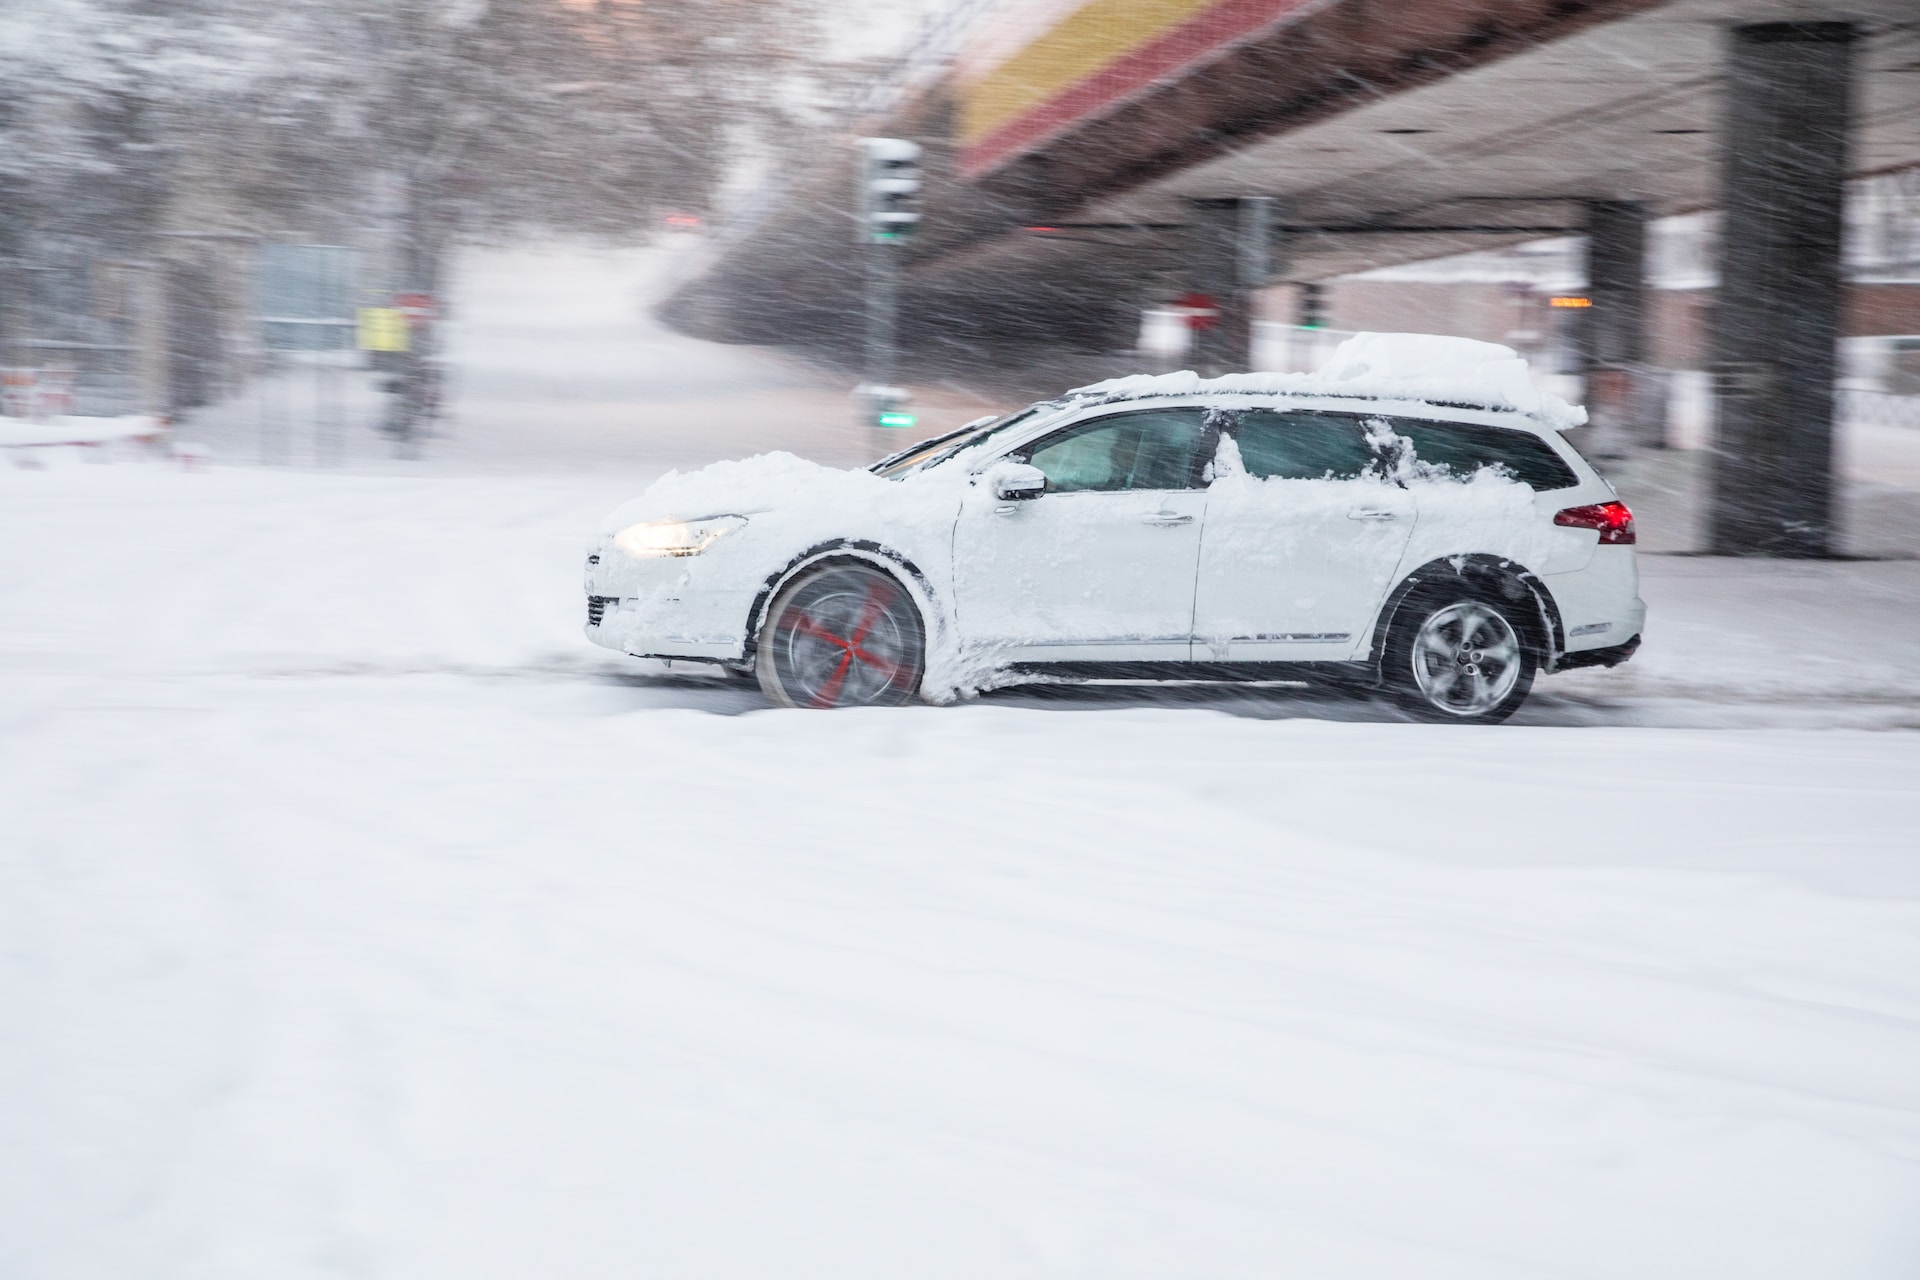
x=1409, y=518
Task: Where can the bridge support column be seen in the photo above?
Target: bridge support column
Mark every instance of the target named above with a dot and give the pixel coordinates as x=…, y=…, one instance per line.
x=1229, y=255
x=1777, y=315
x=1625, y=405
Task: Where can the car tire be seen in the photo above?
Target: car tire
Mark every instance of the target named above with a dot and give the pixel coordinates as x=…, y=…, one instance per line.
x=1459, y=657
x=844, y=635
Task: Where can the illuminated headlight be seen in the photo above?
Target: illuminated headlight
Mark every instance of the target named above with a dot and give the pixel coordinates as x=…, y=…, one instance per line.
x=657, y=538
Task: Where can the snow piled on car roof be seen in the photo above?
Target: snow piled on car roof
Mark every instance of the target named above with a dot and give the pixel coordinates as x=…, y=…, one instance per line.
x=1382, y=366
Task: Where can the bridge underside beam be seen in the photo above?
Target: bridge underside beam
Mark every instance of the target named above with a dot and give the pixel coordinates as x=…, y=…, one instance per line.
x=1328, y=61
x=1414, y=131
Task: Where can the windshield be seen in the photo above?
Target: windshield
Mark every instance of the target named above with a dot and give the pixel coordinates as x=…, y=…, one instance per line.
x=931, y=453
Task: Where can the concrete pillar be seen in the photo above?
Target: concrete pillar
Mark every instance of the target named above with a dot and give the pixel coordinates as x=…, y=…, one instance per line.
x=1616, y=324
x=1777, y=314
x=1229, y=255
x=1613, y=331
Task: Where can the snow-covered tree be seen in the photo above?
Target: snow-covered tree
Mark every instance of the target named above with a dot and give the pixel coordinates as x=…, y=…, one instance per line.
x=135, y=129
x=510, y=115
x=490, y=115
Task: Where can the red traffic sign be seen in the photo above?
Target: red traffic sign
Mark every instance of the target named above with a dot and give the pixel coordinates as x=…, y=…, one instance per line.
x=420, y=309
x=1199, y=309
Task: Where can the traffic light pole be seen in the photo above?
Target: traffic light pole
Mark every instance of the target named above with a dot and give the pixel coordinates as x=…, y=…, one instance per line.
x=889, y=186
x=883, y=300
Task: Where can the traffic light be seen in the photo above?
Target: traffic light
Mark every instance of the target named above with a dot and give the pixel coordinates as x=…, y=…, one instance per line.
x=1313, y=306
x=889, y=189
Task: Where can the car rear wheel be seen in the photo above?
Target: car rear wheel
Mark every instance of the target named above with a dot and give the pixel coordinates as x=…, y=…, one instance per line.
x=1460, y=660
x=846, y=635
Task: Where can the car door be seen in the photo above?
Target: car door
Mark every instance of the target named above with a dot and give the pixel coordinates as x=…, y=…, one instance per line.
x=1101, y=566
x=1303, y=538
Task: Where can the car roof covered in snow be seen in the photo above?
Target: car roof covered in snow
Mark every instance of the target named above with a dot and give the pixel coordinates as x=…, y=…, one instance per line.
x=1427, y=368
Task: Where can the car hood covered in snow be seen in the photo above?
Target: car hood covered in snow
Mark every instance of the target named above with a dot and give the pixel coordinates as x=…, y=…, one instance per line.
x=747, y=486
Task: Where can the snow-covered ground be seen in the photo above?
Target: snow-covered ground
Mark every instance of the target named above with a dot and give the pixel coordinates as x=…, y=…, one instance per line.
x=358, y=918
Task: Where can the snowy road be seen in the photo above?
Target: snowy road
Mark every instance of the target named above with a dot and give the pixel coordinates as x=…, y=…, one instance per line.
x=554, y=360
x=358, y=918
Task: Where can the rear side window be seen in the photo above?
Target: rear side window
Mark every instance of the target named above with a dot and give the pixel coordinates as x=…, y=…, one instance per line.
x=1463, y=448
x=1301, y=444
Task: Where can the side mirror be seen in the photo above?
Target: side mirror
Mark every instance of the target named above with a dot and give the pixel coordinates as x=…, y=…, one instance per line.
x=1017, y=482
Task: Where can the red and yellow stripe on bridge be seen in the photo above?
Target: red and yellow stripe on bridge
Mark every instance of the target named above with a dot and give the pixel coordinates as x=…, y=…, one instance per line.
x=1096, y=57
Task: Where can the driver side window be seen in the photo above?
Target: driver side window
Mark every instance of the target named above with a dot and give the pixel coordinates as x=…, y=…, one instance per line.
x=1150, y=449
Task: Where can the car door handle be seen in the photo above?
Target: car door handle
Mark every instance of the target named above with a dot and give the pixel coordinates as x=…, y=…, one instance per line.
x=1165, y=519
x=1371, y=513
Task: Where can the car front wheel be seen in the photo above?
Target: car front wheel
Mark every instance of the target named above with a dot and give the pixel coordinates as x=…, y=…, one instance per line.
x=1460, y=660
x=846, y=635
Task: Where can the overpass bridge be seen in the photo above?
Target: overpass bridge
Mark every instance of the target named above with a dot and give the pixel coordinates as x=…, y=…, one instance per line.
x=1087, y=158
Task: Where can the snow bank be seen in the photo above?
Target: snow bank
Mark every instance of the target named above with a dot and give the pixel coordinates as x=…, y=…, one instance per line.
x=68, y=430
x=1382, y=366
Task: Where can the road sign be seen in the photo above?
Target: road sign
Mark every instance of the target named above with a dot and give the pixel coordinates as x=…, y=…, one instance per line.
x=420, y=309
x=1200, y=310
x=305, y=296
x=382, y=329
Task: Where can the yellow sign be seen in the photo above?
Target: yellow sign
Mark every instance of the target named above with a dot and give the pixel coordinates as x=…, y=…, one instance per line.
x=383, y=329
x=1569, y=300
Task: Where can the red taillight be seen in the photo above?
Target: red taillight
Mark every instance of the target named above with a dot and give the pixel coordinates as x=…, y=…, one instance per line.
x=1612, y=519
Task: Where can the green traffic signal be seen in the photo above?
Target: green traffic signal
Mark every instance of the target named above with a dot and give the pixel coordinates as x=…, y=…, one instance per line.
x=890, y=419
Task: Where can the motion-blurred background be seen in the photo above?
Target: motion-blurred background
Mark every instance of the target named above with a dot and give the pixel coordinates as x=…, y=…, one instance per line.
x=282, y=229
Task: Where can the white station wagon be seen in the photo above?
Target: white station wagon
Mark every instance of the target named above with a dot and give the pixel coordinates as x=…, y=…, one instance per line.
x=1410, y=518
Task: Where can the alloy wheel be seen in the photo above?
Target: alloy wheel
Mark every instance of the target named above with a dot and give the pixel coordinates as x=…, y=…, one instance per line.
x=1466, y=659
x=846, y=637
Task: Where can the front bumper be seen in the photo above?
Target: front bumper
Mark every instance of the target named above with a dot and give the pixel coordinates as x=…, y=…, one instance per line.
x=663, y=608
